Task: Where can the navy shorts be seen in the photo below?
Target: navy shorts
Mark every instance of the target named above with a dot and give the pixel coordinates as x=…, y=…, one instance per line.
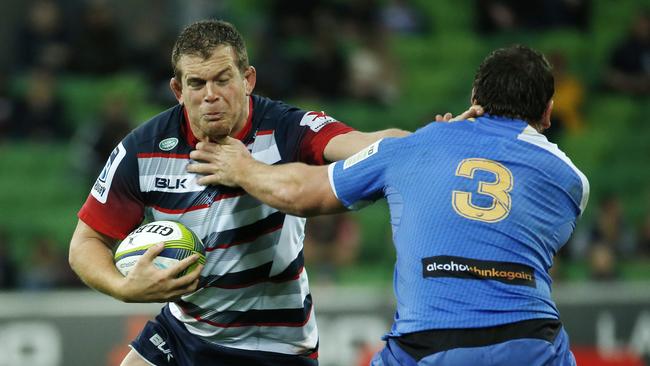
x=165, y=341
x=544, y=345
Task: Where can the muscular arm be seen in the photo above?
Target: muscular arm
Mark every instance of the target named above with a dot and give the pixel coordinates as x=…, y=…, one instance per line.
x=295, y=188
x=343, y=146
x=90, y=256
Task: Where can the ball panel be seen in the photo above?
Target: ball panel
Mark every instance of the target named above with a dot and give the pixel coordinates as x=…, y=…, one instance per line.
x=180, y=243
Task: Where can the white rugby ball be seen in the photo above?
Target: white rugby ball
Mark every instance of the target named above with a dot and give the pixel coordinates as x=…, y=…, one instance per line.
x=180, y=242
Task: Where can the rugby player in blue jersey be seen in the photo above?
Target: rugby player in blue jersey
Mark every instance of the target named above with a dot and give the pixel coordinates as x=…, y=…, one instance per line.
x=478, y=209
x=250, y=304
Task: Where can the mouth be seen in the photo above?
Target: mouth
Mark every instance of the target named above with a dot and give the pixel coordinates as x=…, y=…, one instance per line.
x=213, y=116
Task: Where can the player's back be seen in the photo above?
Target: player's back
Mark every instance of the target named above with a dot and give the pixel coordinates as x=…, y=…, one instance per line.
x=478, y=210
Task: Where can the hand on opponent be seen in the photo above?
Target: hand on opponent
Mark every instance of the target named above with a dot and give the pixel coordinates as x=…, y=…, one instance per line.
x=472, y=112
x=219, y=162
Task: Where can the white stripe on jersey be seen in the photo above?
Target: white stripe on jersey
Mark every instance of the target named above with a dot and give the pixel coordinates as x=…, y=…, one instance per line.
x=174, y=178
x=265, y=149
x=531, y=136
x=261, y=296
x=218, y=217
x=289, y=244
x=295, y=340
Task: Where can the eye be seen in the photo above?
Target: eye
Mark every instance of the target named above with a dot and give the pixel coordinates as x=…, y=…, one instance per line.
x=195, y=83
x=223, y=80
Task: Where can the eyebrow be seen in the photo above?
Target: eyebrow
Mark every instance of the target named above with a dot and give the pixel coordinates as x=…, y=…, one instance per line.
x=196, y=78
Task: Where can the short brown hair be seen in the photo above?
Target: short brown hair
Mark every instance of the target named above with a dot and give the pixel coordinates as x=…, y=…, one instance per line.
x=514, y=82
x=202, y=37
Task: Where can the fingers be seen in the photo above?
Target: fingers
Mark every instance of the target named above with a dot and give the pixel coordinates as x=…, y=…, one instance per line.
x=446, y=118
x=152, y=252
x=189, y=278
x=182, y=265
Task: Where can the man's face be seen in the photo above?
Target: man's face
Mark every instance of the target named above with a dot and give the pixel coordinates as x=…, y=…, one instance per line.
x=214, y=92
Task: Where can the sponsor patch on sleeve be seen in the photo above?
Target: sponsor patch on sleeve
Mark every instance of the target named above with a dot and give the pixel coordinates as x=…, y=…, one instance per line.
x=459, y=267
x=316, y=120
x=103, y=183
x=362, y=155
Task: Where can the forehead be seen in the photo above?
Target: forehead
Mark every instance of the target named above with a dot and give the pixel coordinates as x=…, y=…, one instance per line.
x=221, y=58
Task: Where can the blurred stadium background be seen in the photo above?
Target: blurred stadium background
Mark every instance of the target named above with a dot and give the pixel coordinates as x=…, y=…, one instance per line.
x=76, y=75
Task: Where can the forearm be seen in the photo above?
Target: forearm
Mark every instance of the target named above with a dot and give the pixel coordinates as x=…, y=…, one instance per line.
x=92, y=260
x=295, y=188
x=343, y=146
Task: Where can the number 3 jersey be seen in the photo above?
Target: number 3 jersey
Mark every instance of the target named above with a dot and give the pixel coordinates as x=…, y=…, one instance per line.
x=478, y=210
x=254, y=293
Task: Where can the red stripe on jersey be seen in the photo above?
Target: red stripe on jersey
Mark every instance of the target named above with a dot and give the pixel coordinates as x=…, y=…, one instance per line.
x=264, y=132
x=224, y=196
x=249, y=284
x=247, y=240
x=162, y=155
x=251, y=324
x=177, y=211
x=313, y=144
x=180, y=210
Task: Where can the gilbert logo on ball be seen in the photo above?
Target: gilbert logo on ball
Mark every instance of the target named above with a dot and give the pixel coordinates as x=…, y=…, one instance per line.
x=180, y=242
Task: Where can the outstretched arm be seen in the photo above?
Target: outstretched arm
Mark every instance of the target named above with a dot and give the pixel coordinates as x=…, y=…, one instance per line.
x=343, y=146
x=295, y=188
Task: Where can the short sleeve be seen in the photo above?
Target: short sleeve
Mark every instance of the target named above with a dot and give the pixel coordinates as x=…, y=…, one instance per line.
x=361, y=179
x=307, y=133
x=115, y=205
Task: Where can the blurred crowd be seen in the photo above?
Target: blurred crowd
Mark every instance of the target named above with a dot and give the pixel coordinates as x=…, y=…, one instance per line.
x=317, y=50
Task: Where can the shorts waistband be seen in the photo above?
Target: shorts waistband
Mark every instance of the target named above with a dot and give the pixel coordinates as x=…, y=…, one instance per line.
x=421, y=344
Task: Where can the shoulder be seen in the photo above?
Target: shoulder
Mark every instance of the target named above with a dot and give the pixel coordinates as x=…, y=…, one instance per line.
x=559, y=163
x=165, y=125
x=269, y=109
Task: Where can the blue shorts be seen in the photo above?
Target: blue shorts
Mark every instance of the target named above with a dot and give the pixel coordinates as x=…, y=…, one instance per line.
x=551, y=351
x=165, y=341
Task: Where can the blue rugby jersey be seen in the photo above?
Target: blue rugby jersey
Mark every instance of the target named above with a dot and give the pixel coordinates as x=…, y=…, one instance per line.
x=254, y=293
x=478, y=210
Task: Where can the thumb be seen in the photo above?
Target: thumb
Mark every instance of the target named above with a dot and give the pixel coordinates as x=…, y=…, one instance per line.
x=152, y=252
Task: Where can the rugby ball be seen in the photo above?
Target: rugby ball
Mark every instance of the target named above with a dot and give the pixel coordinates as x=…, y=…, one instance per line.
x=180, y=242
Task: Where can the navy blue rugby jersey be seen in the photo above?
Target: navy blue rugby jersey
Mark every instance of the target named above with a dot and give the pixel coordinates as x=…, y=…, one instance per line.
x=254, y=292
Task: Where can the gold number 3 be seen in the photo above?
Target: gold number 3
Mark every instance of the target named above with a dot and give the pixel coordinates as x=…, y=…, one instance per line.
x=498, y=190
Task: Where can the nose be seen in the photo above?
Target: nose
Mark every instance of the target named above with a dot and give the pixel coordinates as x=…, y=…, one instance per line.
x=211, y=92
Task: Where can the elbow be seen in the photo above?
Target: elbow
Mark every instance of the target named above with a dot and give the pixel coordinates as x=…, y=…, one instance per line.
x=74, y=259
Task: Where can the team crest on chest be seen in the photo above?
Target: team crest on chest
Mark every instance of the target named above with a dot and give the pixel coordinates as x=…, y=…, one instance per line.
x=168, y=144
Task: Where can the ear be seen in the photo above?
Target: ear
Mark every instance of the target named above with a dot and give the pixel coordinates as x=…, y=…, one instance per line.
x=545, y=123
x=250, y=78
x=177, y=88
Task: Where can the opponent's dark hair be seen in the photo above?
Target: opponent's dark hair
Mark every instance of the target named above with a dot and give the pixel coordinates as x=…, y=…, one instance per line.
x=202, y=37
x=514, y=82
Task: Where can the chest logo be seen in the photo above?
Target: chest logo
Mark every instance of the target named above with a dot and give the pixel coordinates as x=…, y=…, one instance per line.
x=316, y=120
x=168, y=144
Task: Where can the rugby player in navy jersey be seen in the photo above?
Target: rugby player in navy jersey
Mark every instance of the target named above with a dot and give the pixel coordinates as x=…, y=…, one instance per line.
x=478, y=210
x=250, y=304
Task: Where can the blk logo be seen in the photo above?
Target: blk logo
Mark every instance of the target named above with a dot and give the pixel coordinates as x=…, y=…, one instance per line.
x=170, y=183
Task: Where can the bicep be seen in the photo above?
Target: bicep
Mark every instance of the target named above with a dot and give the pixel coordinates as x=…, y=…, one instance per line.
x=85, y=235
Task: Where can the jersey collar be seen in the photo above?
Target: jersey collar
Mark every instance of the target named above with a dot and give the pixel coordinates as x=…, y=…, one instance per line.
x=241, y=135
